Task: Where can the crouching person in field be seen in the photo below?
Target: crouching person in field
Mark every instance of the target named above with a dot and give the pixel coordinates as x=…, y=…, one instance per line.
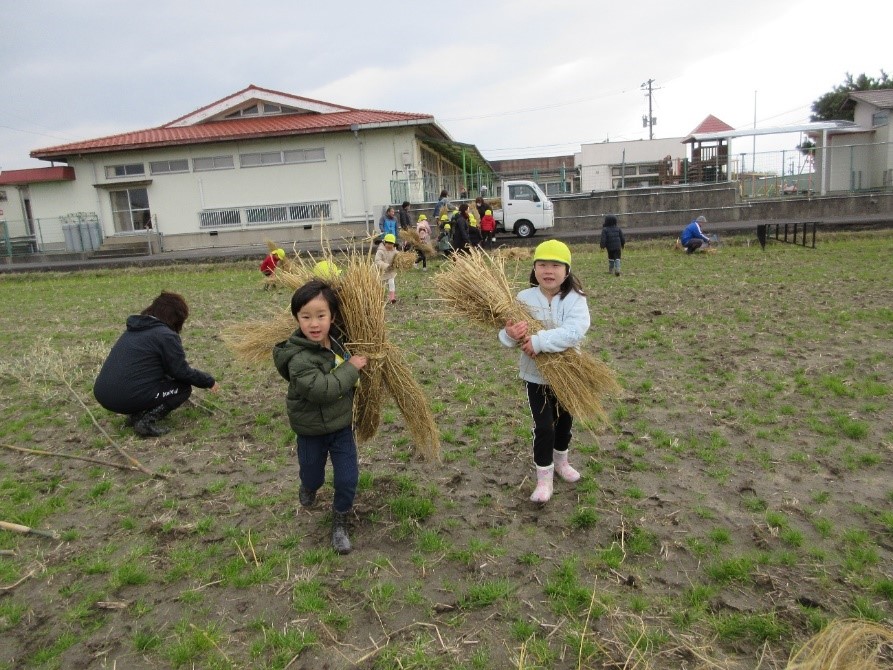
x=146, y=375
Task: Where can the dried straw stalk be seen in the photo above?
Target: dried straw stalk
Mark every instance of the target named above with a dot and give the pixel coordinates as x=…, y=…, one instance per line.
x=854, y=644
x=474, y=285
x=252, y=341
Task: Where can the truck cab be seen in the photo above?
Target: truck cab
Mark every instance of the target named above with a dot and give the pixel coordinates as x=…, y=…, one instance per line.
x=525, y=209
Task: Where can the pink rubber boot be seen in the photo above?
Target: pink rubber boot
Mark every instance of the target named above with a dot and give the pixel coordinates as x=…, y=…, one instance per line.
x=392, y=297
x=563, y=468
x=543, y=490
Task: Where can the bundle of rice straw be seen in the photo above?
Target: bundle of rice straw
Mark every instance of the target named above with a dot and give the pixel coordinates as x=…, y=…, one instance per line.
x=362, y=319
x=362, y=310
x=404, y=260
x=846, y=644
x=474, y=285
x=513, y=253
x=411, y=237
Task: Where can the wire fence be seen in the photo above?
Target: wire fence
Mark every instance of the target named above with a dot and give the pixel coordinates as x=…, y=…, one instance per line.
x=852, y=167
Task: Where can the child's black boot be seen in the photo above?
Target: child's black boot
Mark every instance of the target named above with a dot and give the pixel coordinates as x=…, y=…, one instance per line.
x=306, y=497
x=340, y=539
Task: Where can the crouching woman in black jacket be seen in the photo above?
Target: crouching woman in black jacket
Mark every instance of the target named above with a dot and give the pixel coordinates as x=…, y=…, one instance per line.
x=146, y=375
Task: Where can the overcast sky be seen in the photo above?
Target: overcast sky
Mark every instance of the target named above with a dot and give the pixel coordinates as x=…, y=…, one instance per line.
x=516, y=78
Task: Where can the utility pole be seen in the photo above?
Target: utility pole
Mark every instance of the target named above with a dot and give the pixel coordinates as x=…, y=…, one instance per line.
x=649, y=121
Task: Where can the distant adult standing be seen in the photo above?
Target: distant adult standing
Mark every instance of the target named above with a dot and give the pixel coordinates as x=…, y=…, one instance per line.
x=613, y=241
x=146, y=375
x=403, y=216
x=443, y=204
x=692, y=237
x=461, y=238
x=482, y=206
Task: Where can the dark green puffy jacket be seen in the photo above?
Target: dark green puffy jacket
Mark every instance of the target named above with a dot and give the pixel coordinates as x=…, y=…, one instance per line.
x=320, y=395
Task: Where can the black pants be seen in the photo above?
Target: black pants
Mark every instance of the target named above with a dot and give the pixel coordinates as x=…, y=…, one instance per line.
x=614, y=254
x=422, y=259
x=693, y=245
x=171, y=394
x=551, y=423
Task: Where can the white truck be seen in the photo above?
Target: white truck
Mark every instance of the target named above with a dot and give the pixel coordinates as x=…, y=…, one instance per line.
x=525, y=209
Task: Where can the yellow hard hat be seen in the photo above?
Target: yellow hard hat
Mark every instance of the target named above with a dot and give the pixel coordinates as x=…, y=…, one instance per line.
x=447, y=227
x=326, y=270
x=488, y=213
x=422, y=217
x=553, y=250
x=279, y=253
x=390, y=238
x=444, y=217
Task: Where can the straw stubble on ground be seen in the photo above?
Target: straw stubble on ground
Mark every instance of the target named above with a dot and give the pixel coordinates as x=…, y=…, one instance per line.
x=738, y=501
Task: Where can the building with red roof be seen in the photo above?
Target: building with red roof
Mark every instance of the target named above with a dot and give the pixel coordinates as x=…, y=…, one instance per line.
x=257, y=164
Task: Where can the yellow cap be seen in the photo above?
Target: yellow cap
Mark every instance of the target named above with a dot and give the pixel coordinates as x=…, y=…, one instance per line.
x=279, y=253
x=553, y=250
x=444, y=217
x=390, y=238
x=447, y=227
x=422, y=217
x=489, y=212
x=326, y=270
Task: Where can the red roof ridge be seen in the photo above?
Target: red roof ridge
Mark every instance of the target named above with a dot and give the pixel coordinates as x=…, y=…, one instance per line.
x=711, y=124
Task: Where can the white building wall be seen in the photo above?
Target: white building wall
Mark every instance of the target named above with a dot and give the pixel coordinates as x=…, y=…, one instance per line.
x=595, y=160
x=176, y=199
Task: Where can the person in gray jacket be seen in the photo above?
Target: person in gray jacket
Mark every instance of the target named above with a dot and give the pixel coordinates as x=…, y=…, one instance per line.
x=146, y=375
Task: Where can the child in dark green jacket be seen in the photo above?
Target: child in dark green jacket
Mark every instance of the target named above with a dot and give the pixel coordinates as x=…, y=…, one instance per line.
x=321, y=378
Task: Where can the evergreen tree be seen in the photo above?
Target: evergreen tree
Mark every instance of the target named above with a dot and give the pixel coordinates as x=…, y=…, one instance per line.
x=831, y=106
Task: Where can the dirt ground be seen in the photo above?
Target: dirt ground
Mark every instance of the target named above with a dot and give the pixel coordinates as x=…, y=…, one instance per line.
x=729, y=412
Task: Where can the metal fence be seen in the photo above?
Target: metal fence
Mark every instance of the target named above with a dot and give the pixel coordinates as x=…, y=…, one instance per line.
x=77, y=232
x=854, y=167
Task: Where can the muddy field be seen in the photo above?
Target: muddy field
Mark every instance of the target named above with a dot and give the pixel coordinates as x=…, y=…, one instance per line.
x=740, y=499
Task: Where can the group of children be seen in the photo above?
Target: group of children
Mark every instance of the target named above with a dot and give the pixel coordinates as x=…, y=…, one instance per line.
x=322, y=376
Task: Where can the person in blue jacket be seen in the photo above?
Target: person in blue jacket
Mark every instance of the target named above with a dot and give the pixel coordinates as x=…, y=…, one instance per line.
x=692, y=237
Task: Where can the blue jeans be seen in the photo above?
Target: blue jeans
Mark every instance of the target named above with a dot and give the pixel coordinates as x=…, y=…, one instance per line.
x=314, y=450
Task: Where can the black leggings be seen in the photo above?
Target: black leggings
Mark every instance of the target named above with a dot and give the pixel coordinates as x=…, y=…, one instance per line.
x=551, y=423
x=422, y=259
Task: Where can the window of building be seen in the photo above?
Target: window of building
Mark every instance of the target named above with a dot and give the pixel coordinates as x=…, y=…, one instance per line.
x=130, y=170
x=213, y=163
x=260, y=158
x=2, y=196
x=130, y=209
x=304, y=155
x=881, y=118
x=161, y=167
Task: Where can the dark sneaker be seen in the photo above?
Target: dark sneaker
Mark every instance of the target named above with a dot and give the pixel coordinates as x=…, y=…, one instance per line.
x=305, y=497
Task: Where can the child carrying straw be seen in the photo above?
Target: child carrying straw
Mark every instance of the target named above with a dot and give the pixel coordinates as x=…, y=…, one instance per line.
x=321, y=377
x=555, y=299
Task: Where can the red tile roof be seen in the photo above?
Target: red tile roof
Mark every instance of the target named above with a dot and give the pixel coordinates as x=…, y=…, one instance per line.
x=235, y=129
x=36, y=175
x=709, y=125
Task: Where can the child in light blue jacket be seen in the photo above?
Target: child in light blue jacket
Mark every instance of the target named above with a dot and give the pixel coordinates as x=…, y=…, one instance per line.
x=557, y=301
